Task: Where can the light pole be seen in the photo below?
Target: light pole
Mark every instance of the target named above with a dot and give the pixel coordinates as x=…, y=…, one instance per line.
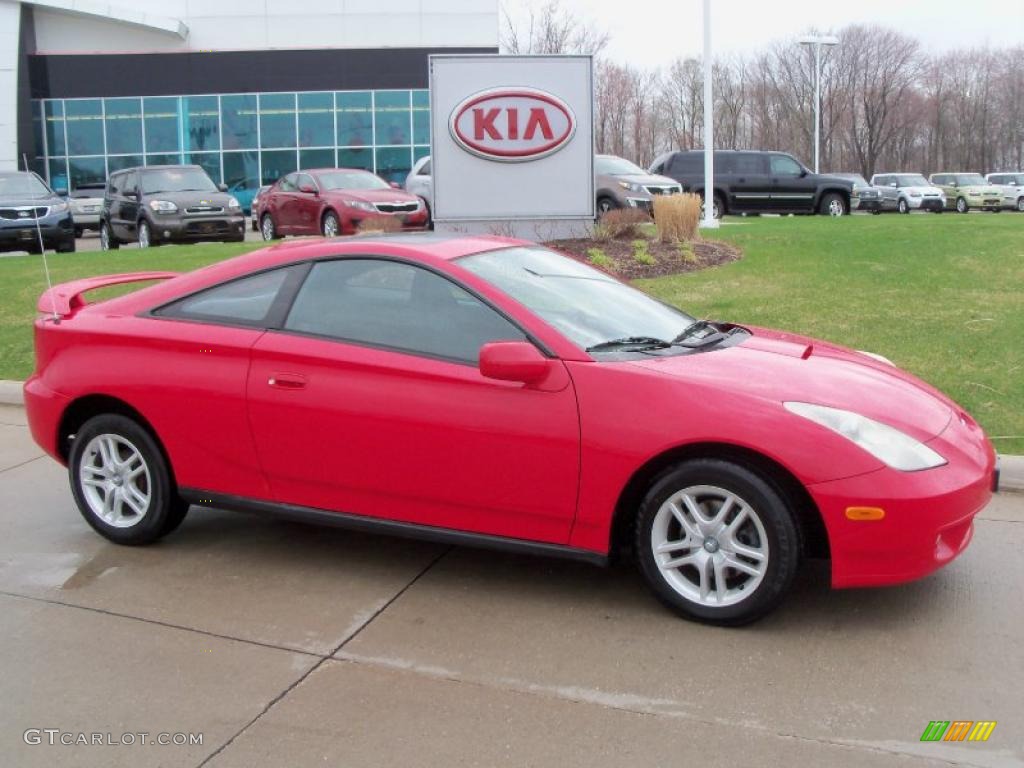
x=817, y=41
x=709, y=221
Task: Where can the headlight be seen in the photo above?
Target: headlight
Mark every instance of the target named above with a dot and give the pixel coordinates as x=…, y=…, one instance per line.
x=163, y=206
x=885, y=443
x=233, y=203
x=361, y=205
x=58, y=207
x=915, y=194
x=630, y=186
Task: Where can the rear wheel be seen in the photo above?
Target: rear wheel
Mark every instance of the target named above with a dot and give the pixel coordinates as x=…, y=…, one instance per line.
x=67, y=246
x=267, y=228
x=832, y=204
x=717, y=206
x=121, y=482
x=716, y=542
x=903, y=206
x=107, y=240
x=145, y=234
x=1020, y=204
x=962, y=206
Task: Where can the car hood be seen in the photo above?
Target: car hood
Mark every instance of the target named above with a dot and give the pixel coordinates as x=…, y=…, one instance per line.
x=824, y=178
x=8, y=201
x=374, y=195
x=645, y=179
x=191, y=199
x=780, y=367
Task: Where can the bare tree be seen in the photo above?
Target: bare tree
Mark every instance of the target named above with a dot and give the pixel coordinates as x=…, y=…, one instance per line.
x=550, y=28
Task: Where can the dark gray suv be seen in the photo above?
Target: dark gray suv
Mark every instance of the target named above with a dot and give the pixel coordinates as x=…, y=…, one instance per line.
x=167, y=204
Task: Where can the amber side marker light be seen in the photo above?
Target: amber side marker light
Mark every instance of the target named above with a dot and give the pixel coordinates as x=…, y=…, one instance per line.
x=864, y=513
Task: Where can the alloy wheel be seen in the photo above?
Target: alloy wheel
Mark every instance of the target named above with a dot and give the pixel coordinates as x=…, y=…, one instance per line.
x=836, y=207
x=267, y=227
x=144, y=241
x=1020, y=205
x=710, y=545
x=115, y=480
x=104, y=238
x=330, y=225
x=961, y=205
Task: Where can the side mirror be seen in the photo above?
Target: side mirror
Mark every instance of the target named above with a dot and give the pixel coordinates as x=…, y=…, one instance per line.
x=803, y=172
x=513, y=361
x=307, y=189
x=395, y=185
x=222, y=187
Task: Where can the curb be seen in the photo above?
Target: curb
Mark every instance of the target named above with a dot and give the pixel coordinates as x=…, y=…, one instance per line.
x=1011, y=467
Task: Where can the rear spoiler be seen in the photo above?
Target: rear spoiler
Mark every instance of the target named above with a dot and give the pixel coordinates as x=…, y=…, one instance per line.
x=66, y=299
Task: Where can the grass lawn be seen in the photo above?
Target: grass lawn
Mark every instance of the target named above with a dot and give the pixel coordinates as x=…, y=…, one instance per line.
x=942, y=296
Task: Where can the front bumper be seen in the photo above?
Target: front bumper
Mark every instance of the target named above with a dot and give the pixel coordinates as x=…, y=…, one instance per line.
x=22, y=235
x=352, y=219
x=926, y=203
x=177, y=228
x=984, y=201
x=929, y=515
x=866, y=204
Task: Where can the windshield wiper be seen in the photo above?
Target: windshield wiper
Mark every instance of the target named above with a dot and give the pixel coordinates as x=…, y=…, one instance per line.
x=702, y=340
x=645, y=342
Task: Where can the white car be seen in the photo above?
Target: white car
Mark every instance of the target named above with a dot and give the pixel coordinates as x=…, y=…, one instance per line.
x=911, y=190
x=1012, y=187
x=86, y=202
x=418, y=182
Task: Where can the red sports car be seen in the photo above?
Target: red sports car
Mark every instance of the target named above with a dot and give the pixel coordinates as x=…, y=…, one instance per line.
x=489, y=391
x=335, y=201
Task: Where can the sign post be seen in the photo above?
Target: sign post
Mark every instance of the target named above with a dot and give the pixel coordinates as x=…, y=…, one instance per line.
x=512, y=145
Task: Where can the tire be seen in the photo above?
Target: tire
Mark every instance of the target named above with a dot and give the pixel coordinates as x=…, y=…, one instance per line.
x=68, y=246
x=107, y=240
x=255, y=224
x=145, y=234
x=267, y=228
x=79, y=231
x=718, y=207
x=330, y=226
x=106, y=450
x=876, y=212
x=833, y=204
x=903, y=206
x=605, y=204
x=962, y=206
x=767, y=528
x=1020, y=204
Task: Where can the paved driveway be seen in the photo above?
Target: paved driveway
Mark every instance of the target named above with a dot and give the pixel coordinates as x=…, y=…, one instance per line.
x=287, y=645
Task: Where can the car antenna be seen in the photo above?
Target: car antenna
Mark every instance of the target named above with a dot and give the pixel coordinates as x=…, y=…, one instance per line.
x=42, y=250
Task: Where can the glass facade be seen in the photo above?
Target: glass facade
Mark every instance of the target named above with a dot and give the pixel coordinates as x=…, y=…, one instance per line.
x=242, y=140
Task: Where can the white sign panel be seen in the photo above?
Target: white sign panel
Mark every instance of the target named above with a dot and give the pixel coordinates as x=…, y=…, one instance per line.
x=512, y=139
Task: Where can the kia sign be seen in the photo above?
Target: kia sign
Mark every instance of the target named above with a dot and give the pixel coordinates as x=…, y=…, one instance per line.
x=512, y=125
x=512, y=144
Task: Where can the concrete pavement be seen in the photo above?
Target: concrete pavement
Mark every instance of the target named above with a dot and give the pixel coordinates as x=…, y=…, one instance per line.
x=290, y=645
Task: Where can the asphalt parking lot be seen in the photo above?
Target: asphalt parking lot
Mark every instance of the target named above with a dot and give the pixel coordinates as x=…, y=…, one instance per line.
x=290, y=645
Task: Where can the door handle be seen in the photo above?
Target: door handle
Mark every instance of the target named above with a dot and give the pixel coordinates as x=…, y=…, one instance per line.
x=287, y=380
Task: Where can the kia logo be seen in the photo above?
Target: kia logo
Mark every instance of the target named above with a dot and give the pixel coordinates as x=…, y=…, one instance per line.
x=23, y=214
x=512, y=125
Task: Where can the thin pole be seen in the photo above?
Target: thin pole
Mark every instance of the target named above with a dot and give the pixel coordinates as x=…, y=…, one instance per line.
x=709, y=222
x=817, y=105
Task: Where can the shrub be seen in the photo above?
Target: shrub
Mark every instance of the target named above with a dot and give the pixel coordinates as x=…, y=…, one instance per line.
x=641, y=254
x=379, y=224
x=621, y=223
x=676, y=217
x=599, y=259
x=686, y=253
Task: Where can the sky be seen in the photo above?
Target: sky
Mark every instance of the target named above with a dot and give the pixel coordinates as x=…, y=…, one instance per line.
x=651, y=33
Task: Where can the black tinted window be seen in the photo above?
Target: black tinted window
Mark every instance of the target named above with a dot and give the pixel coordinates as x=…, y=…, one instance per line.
x=750, y=163
x=246, y=301
x=687, y=162
x=397, y=306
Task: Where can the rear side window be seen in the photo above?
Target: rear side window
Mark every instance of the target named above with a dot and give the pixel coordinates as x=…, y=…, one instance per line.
x=687, y=162
x=396, y=306
x=750, y=163
x=245, y=301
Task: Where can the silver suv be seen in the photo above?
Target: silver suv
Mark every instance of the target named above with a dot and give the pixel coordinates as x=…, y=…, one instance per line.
x=1012, y=187
x=621, y=184
x=911, y=192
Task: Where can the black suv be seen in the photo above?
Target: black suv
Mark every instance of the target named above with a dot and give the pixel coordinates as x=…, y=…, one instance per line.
x=758, y=182
x=167, y=204
x=30, y=210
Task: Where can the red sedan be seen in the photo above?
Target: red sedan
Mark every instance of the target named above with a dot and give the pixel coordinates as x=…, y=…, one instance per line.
x=492, y=392
x=335, y=201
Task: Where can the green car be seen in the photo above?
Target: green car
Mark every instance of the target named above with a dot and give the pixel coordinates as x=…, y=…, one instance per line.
x=968, y=190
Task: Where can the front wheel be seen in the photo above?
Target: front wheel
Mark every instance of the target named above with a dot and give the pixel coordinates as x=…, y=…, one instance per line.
x=716, y=542
x=330, y=226
x=903, y=206
x=145, y=234
x=832, y=204
x=107, y=240
x=605, y=204
x=267, y=228
x=121, y=482
x=1020, y=204
x=961, y=205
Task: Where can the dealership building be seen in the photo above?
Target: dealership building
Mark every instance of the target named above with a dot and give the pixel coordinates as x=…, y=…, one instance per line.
x=249, y=91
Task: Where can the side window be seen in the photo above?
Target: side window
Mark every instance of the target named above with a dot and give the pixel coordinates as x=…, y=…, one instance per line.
x=245, y=301
x=288, y=183
x=129, y=182
x=396, y=306
x=687, y=162
x=114, y=184
x=725, y=163
x=304, y=179
x=425, y=170
x=784, y=165
x=750, y=163
x=939, y=179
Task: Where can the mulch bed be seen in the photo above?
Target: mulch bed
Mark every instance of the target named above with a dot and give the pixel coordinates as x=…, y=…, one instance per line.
x=669, y=259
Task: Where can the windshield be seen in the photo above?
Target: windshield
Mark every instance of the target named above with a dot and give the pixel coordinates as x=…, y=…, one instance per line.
x=176, y=180
x=20, y=184
x=351, y=180
x=617, y=166
x=585, y=305
x=912, y=180
x=970, y=179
